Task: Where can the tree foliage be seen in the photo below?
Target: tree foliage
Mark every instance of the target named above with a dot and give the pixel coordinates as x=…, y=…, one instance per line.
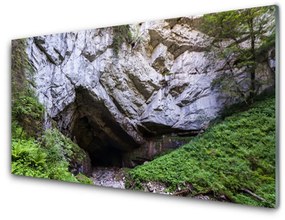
x=242, y=38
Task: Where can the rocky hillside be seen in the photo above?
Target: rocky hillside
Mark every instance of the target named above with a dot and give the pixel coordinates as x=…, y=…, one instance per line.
x=118, y=92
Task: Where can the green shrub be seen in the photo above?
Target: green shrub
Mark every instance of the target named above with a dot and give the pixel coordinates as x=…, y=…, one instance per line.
x=28, y=113
x=59, y=171
x=28, y=158
x=47, y=159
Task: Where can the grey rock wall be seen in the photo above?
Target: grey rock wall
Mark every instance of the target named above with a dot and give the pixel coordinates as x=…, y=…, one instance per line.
x=159, y=84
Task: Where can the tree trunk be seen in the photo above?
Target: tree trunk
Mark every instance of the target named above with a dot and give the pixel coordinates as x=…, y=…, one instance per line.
x=252, y=85
x=253, y=66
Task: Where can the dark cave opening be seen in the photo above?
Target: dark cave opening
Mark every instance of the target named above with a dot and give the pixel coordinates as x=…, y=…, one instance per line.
x=109, y=157
x=96, y=131
x=107, y=143
x=102, y=150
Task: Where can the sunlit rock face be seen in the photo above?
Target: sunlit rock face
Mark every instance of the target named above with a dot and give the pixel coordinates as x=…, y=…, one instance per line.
x=113, y=104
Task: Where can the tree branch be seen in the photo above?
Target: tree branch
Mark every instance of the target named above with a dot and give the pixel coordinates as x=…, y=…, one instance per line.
x=247, y=191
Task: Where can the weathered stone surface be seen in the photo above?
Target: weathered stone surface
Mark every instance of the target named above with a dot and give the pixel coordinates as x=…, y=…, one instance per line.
x=161, y=83
x=161, y=59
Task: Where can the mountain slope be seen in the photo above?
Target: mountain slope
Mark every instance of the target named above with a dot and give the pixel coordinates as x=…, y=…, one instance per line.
x=233, y=160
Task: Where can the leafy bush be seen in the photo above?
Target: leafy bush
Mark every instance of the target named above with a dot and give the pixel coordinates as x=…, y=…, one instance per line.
x=28, y=158
x=237, y=154
x=28, y=113
x=59, y=171
x=47, y=159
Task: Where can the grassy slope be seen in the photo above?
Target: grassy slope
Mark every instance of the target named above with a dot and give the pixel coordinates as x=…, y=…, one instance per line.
x=238, y=153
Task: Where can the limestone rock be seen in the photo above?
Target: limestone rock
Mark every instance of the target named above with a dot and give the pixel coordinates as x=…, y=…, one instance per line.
x=160, y=83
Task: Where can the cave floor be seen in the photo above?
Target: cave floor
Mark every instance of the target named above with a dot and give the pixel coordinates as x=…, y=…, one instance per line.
x=109, y=177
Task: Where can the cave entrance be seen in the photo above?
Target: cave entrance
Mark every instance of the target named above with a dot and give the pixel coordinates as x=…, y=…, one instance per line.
x=109, y=157
x=102, y=149
x=95, y=130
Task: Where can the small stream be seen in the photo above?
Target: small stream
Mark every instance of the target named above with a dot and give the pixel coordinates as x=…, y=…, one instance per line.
x=109, y=177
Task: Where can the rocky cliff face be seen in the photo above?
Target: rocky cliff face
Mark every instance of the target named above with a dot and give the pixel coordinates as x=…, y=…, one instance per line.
x=115, y=104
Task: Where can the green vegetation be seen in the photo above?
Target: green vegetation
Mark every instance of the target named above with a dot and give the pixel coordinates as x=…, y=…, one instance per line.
x=250, y=34
x=231, y=158
x=49, y=157
x=35, y=152
x=62, y=148
x=27, y=112
x=29, y=158
x=84, y=179
x=121, y=34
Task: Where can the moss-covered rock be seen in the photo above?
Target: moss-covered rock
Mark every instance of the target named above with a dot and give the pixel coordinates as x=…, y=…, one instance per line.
x=84, y=179
x=63, y=147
